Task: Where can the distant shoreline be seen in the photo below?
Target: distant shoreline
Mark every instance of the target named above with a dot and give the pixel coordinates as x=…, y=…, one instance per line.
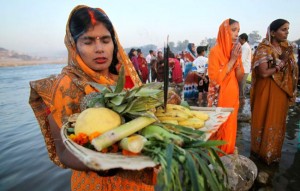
x=16, y=63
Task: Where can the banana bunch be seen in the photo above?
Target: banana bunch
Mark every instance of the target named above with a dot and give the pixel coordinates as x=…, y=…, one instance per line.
x=179, y=115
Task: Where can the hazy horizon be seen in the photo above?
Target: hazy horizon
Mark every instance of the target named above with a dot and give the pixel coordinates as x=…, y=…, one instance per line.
x=38, y=27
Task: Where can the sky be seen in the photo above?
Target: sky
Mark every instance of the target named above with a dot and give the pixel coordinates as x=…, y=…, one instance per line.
x=37, y=27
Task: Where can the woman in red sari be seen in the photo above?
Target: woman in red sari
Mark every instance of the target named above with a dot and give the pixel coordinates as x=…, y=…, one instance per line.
x=224, y=70
x=143, y=66
x=94, y=55
x=174, y=64
x=274, y=88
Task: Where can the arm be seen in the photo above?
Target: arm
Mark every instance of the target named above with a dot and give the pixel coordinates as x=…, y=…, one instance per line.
x=65, y=156
x=265, y=71
x=239, y=72
x=216, y=72
x=234, y=56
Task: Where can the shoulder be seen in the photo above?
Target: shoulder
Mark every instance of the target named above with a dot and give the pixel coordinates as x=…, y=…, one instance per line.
x=46, y=84
x=47, y=88
x=196, y=61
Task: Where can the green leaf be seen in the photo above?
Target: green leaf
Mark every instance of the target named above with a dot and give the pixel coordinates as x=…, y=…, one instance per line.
x=169, y=159
x=214, y=160
x=133, y=114
x=147, y=92
x=118, y=100
x=110, y=95
x=130, y=105
x=119, y=108
x=208, y=176
x=95, y=99
x=190, y=166
x=189, y=131
x=99, y=87
x=215, y=156
x=154, y=85
x=121, y=80
x=209, y=143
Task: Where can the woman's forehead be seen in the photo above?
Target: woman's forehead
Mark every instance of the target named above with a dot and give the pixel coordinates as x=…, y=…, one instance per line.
x=98, y=29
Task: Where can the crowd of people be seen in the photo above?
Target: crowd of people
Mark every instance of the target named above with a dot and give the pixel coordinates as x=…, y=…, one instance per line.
x=95, y=55
x=218, y=79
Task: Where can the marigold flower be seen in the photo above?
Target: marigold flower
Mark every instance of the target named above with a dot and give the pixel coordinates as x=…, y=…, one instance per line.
x=93, y=135
x=80, y=139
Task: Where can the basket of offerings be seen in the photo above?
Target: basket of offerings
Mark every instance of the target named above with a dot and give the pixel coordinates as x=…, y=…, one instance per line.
x=132, y=130
x=116, y=159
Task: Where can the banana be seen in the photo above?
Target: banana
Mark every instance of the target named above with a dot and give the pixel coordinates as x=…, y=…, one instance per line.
x=172, y=121
x=173, y=114
x=192, y=122
x=171, y=118
x=200, y=115
x=185, y=110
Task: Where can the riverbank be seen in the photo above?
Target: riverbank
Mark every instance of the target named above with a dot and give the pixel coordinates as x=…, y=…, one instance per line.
x=15, y=63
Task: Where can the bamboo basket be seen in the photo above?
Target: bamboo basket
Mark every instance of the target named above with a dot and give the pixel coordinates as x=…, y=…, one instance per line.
x=105, y=161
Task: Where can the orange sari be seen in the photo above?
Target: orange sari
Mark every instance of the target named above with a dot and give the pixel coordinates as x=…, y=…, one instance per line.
x=270, y=100
x=223, y=87
x=61, y=96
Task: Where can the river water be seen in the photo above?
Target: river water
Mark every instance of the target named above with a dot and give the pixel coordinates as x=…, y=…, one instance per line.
x=24, y=162
x=25, y=165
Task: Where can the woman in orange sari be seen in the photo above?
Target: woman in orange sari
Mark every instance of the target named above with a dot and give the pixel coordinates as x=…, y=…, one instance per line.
x=94, y=55
x=274, y=86
x=225, y=70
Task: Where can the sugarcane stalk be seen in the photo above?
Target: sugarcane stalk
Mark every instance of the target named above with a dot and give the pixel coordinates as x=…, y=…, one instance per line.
x=133, y=143
x=110, y=137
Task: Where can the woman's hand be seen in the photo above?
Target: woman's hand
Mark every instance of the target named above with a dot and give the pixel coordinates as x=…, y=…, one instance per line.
x=284, y=57
x=285, y=54
x=235, y=52
x=65, y=156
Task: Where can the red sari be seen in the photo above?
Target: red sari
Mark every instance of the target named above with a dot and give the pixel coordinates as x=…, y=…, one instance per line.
x=176, y=70
x=143, y=68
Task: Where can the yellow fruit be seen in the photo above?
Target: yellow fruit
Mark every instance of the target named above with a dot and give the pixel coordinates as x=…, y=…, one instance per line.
x=174, y=122
x=200, y=115
x=192, y=122
x=97, y=120
x=179, y=108
x=175, y=115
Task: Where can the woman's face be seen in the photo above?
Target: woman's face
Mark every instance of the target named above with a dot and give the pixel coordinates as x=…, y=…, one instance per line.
x=235, y=29
x=282, y=33
x=96, y=47
x=134, y=53
x=159, y=54
x=193, y=48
